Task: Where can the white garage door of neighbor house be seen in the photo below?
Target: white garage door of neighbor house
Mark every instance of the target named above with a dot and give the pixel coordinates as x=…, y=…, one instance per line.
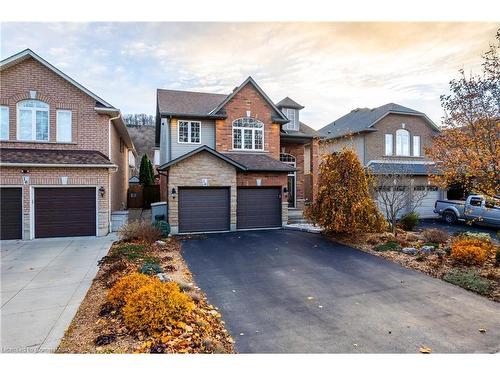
x=426, y=208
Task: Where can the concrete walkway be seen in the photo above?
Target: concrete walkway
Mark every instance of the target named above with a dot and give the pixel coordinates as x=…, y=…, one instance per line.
x=43, y=283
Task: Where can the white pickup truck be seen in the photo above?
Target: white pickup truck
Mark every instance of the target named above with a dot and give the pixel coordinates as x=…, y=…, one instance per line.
x=475, y=208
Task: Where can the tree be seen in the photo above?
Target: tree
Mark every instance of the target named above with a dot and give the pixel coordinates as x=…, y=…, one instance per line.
x=343, y=204
x=146, y=173
x=138, y=119
x=397, y=194
x=467, y=152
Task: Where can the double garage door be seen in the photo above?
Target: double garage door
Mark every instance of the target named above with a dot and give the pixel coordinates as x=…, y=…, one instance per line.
x=209, y=209
x=58, y=212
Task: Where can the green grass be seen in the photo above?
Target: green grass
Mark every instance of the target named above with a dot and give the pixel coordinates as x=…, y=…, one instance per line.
x=387, y=246
x=470, y=280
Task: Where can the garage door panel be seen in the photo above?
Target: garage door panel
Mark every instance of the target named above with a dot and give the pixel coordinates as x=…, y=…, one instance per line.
x=259, y=208
x=204, y=209
x=65, y=212
x=10, y=213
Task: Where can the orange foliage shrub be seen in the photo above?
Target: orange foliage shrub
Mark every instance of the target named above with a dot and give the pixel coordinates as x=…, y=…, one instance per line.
x=471, y=250
x=343, y=204
x=123, y=288
x=155, y=306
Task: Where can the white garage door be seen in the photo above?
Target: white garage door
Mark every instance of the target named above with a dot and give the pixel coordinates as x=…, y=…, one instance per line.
x=426, y=208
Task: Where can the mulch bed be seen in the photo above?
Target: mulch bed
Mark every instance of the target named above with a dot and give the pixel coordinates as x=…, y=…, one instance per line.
x=98, y=328
x=432, y=264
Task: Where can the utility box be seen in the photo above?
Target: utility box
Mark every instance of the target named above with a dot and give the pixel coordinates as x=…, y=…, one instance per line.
x=158, y=211
x=118, y=219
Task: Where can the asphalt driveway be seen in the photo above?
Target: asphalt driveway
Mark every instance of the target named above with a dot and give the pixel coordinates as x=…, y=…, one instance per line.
x=43, y=283
x=286, y=291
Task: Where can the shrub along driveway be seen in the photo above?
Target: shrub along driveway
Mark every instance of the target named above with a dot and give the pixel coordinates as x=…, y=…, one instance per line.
x=43, y=283
x=285, y=291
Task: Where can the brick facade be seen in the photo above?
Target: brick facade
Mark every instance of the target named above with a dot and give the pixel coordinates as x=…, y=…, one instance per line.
x=190, y=172
x=95, y=177
x=248, y=99
x=375, y=141
x=29, y=79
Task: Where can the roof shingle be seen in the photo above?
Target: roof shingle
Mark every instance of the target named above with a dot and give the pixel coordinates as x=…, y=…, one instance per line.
x=175, y=102
x=258, y=162
x=361, y=119
x=69, y=157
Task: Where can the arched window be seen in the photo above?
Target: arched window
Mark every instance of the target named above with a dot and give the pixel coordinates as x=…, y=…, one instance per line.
x=32, y=120
x=402, y=142
x=248, y=134
x=287, y=158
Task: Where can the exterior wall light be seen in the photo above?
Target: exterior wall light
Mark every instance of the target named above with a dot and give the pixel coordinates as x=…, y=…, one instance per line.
x=102, y=191
x=174, y=193
x=285, y=190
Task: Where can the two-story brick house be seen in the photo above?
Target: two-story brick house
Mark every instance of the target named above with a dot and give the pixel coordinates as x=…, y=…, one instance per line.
x=389, y=139
x=228, y=162
x=64, y=153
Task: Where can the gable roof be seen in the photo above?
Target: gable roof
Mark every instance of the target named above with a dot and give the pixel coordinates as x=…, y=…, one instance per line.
x=281, y=118
x=289, y=103
x=187, y=103
x=198, y=150
x=362, y=119
x=27, y=53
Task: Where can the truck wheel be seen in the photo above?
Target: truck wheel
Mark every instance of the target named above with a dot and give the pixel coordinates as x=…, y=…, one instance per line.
x=450, y=217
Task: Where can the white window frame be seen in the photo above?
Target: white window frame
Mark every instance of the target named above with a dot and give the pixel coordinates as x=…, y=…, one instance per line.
x=417, y=150
x=293, y=124
x=189, y=122
x=33, y=122
x=8, y=123
x=243, y=128
x=156, y=157
x=389, y=151
x=400, y=151
x=70, y=126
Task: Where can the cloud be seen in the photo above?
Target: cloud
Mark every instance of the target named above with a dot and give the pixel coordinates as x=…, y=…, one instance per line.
x=330, y=68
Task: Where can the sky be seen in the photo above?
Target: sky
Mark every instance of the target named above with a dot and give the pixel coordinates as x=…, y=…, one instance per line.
x=329, y=68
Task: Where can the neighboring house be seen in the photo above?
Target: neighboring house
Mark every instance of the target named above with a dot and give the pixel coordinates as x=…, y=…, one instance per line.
x=64, y=153
x=143, y=137
x=231, y=162
x=388, y=139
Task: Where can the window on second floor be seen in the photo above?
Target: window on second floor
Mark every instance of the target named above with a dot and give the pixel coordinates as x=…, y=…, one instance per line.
x=388, y=144
x=63, y=128
x=32, y=120
x=292, y=115
x=248, y=134
x=416, y=145
x=4, y=123
x=189, y=132
x=402, y=142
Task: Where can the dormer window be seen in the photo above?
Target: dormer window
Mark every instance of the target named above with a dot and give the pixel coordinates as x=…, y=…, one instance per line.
x=248, y=134
x=293, y=115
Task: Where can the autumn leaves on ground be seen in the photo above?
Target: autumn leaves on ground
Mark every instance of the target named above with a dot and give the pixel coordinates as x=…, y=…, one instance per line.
x=143, y=300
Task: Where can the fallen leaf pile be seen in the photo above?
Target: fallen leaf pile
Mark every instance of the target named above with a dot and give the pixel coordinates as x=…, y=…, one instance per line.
x=98, y=327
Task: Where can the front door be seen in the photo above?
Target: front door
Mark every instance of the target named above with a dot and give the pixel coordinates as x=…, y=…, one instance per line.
x=291, y=190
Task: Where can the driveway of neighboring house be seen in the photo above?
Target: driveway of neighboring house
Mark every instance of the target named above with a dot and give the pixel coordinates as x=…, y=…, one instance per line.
x=287, y=291
x=457, y=227
x=43, y=283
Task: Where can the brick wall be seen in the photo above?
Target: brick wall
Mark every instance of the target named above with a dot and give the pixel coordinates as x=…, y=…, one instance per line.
x=52, y=176
x=89, y=129
x=375, y=141
x=190, y=172
x=297, y=150
x=248, y=99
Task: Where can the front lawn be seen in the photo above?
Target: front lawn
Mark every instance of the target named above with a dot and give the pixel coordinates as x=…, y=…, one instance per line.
x=469, y=260
x=144, y=300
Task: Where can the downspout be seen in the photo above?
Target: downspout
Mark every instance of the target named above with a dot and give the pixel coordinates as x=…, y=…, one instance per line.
x=113, y=171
